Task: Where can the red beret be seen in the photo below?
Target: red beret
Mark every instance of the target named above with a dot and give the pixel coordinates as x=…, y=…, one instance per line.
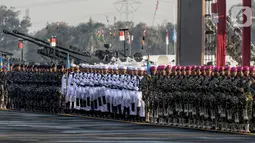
x=183, y=68
x=252, y=68
x=233, y=69
x=202, y=67
x=198, y=67
x=168, y=67
x=221, y=68
x=246, y=69
x=227, y=68
x=209, y=68
x=159, y=67
x=153, y=68
x=194, y=68
x=188, y=68
x=178, y=68
x=174, y=68
x=239, y=69
x=163, y=67
x=216, y=69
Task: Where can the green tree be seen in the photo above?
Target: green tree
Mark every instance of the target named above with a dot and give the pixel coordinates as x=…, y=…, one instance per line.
x=9, y=20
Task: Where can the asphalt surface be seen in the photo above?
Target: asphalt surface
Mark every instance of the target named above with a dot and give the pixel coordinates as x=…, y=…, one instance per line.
x=20, y=127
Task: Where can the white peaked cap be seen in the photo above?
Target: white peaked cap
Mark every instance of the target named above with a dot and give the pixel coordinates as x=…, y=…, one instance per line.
x=134, y=68
x=120, y=67
x=129, y=68
x=105, y=67
x=141, y=68
x=110, y=67
x=115, y=68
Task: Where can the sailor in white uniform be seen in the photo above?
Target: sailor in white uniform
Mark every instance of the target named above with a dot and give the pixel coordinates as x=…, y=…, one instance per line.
x=73, y=89
x=70, y=89
x=142, y=102
x=104, y=90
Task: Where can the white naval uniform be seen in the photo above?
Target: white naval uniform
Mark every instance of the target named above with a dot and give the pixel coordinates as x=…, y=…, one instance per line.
x=69, y=88
x=74, y=92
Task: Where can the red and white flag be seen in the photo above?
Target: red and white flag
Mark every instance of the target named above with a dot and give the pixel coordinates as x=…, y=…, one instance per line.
x=167, y=39
x=53, y=42
x=122, y=36
x=157, y=5
x=144, y=32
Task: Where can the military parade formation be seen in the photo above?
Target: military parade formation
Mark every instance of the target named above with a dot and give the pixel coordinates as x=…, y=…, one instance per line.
x=207, y=97
x=33, y=88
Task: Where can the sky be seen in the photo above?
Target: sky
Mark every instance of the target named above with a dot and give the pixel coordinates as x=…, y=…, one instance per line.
x=76, y=11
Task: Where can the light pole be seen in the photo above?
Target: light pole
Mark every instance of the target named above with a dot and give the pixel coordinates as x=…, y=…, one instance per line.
x=53, y=45
x=122, y=38
x=20, y=46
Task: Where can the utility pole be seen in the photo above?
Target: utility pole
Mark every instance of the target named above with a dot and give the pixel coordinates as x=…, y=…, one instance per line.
x=127, y=7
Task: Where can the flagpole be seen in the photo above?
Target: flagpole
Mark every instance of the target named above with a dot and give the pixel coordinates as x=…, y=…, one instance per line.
x=166, y=49
x=174, y=50
x=167, y=52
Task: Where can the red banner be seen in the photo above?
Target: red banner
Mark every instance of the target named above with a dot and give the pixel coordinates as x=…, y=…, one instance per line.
x=221, y=33
x=20, y=44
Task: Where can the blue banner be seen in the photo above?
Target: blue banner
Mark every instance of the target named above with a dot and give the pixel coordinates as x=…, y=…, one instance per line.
x=68, y=62
x=174, y=38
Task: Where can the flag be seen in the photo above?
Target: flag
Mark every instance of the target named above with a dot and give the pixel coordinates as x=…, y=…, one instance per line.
x=143, y=40
x=167, y=39
x=98, y=35
x=157, y=5
x=102, y=35
x=110, y=31
x=148, y=64
x=8, y=65
x=67, y=62
x=1, y=62
x=174, y=36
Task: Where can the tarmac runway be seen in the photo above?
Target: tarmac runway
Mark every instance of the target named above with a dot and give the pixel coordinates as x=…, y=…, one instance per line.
x=20, y=127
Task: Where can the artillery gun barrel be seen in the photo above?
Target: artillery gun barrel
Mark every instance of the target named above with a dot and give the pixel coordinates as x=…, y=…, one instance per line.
x=42, y=45
x=10, y=54
x=24, y=38
x=31, y=37
x=47, y=43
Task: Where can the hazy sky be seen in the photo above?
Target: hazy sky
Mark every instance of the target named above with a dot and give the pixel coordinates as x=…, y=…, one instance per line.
x=77, y=11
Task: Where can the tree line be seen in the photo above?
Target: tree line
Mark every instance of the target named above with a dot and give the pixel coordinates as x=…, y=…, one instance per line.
x=85, y=35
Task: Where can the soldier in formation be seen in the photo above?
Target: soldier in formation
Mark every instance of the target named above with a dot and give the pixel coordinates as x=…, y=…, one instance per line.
x=206, y=97
x=219, y=98
x=105, y=91
x=34, y=88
